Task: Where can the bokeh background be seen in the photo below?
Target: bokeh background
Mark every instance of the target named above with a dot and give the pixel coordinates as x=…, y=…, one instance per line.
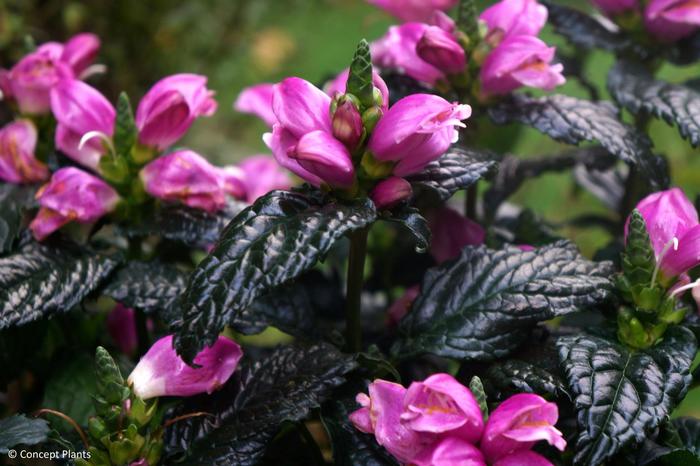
x=237, y=43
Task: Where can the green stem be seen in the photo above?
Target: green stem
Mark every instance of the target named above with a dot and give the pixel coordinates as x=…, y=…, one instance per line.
x=356, y=266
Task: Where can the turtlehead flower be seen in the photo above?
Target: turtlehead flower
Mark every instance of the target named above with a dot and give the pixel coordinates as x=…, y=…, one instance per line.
x=674, y=230
x=390, y=192
x=261, y=174
x=671, y=20
x=451, y=233
x=520, y=61
x=347, y=124
x=515, y=17
x=615, y=7
x=80, y=52
x=121, y=326
x=257, y=100
x=325, y=156
x=413, y=10
x=517, y=424
x=452, y=451
x=80, y=109
x=417, y=130
x=17, y=161
x=161, y=372
x=440, y=48
x=170, y=107
x=71, y=195
x=185, y=176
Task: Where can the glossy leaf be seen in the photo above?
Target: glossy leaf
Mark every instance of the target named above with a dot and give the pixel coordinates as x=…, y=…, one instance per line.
x=483, y=304
x=149, y=286
x=283, y=387
x=41, y=280
x=635, y=89
x=456, y=170
x=688, y=429
x=412, y=220
x=516, y=376
x=21, y=430
x=69, y=390
x=279, y=237
x=14, y=200
x=573, y=121
x=621, y=395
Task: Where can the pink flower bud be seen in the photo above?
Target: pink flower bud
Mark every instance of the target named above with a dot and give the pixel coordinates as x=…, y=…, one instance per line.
x=670, y=20
x=451, y=233
x=261, y=175
x=452, y=451
x=170, y=107
x=390, y=192
x=339, y=86
x=417, y=130
x=80, y=51
x=71, y=195
x=615, y=7
x=185, y=176
x=257, y=100
x=33, y=77
x=347, y=124
x=326, y=157
x=516, y=17
x=440, y=49
x=80, y=109
x=440, y=404
x=161, y=372
x=520, y=61
x=282, y=143
x=17, y=161
x=517, y=424
x=401, y=306
x=121, y=325
x=413, y=10
x=397, y=51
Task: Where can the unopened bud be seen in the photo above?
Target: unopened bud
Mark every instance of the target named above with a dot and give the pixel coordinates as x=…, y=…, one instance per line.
x=439, y=48
x=371, y=117
x=347, y=124
x=390, y=192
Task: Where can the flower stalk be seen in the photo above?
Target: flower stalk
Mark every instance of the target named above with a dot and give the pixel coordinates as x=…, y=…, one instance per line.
x=356, y=266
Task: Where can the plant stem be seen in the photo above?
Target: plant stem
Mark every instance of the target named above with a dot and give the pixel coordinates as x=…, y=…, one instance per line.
x=356, y=266
x=470, y=202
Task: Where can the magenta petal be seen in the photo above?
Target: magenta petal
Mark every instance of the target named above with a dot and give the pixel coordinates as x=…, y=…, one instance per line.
x=300, y=107
x=326, y=157
x=391, y=191
x=678, y=261
x=523, y=458
x=401, y=306
x=441, y=404
x=121, y=325
x=161, y=372
x=413, y=10
x=451, y=451
x=32, y=79
x=261, y=174
x=451, y=233
x=362, y=420
x=80, y=51
x=615, y=7
x=671, y=20
x=168, y=120
x=257, y=100
x=17, y=162
x=281, y=142
x=440, y=48
x=516, y=17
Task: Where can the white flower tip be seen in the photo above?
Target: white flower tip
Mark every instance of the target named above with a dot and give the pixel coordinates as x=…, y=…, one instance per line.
x=93, y=70
x=675, y=243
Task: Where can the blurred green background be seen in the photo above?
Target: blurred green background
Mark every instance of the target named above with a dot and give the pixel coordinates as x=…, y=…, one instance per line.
x=237, y=43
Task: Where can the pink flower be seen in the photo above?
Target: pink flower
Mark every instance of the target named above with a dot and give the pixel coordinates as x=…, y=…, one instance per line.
x=417, y=130
x=397, y=50
x=517, y=424
x=161, y=372
x=185, y=176
x=516, y=17
x=451, y=232
x=257, y=100
x=80, y=109
x=121, y=325
x=321, y=154
x=440, y=404
x=451, y=451
x=380, y=415
x=339, y=86
x=347, y=124
x=30, y=81
x=523, y=458
x=170, y=107
x=615, y=7
x=71, y=195
x=80, y=52
x=391, y=191
x=401, y=306
x=17, y=161
x=413, y=10
x=670, y=20
x=261, y=175
x=439, y=48
x=520, y=61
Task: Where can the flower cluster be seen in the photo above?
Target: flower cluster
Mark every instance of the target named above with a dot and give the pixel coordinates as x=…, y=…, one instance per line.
x=438, y=422
x=666, y=20
x=509, y=54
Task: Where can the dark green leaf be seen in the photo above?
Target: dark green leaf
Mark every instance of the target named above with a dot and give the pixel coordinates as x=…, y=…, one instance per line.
x=149, y=286
x=70, y=390
x=21, y=430
x=686, y=51
x=515, y=376
x=124, y=128
x=40, y=280
x=350, y=446
x=477, y=389
x=634, y=88
x=621, y=395
x=606, y=184
x=573, y=121
x=587, y=32
x=283, y=387
x=688, y=429
x=279, y=237
x=456, y=170
x=401, y=85
x=413, y=221
x=14, y=200
x=360, y=77
x=483, y=304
